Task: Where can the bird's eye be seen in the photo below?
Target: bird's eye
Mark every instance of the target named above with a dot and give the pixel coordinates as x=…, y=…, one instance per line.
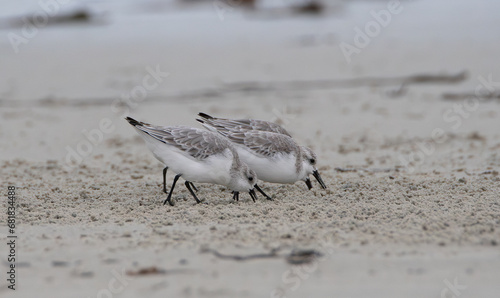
x=250, y=178
x=312, y=160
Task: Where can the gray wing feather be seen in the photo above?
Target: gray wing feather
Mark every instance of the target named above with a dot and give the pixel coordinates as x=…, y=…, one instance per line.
x=200, y=144
x=263, y=142
x=246, y=125
x=268, y=126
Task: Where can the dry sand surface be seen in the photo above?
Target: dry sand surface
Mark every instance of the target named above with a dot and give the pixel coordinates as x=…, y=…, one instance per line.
x=383, y=228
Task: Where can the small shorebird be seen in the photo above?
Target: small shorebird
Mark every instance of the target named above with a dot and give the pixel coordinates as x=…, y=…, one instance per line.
x=198, y=156
x=268, y=149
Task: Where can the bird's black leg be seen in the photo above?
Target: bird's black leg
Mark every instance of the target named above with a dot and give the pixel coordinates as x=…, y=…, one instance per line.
x=262, y=192
x=308, y=183
x=194, y=187
x=252, y=194
x=165, y=179
x=236, y=195
x=171, y=190
x=188, y=185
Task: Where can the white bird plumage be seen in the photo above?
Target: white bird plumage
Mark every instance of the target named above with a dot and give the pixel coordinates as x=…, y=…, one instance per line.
x=268, y=149
x=198, y=156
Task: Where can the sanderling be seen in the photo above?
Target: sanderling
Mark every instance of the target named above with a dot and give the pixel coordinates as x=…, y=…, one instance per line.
x=268, y=149
x=198, y=156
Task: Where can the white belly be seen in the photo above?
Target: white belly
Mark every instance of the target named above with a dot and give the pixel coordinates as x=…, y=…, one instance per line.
x=280, y=169
x=214, y=169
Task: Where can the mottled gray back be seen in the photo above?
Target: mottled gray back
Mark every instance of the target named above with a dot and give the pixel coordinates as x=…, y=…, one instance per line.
x=243, y=125
x=263, y=142
x=198, y=143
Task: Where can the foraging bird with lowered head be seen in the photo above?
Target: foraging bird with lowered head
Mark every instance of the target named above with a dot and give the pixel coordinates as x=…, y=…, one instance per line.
x=198, y=156
x=268, y=149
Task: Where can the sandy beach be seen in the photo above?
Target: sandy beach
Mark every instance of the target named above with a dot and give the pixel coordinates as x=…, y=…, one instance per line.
x=406, y=130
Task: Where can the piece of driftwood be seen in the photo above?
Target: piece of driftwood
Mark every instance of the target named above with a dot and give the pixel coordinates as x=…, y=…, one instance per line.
x=306, y=256
x=155, y=271
x=296, y=257
x=375, y=170
x=488, y=172
x=272, y=254
x=147, y=271
x=253, y=86
x=466, y=95
x=76, y=16
x=311, y=7
x=349, y=83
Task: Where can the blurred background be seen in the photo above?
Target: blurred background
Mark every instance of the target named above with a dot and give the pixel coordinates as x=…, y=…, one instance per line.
x=374, y=73
x=399, y=99
x=66, y=65
x=95, y=49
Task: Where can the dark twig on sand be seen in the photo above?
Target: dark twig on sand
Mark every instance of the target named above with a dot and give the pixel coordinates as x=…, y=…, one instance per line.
x=374, y=170
x=254, y=86
x=156, y=271
x=349, y=83
x=296, y=257
x=272, y=254
x=76, y=16
x=466, y=95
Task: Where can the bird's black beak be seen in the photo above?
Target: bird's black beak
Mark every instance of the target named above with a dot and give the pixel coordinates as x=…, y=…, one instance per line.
x=308, y=183
x=262, y=192
x=318, y=177
x=252, y=194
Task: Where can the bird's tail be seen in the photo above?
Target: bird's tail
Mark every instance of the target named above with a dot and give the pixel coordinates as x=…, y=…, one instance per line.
x=207, y=121
x=205, y=116
x=134, y=122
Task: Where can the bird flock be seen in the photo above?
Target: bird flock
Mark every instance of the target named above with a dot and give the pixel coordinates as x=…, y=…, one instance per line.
x=232, y=153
